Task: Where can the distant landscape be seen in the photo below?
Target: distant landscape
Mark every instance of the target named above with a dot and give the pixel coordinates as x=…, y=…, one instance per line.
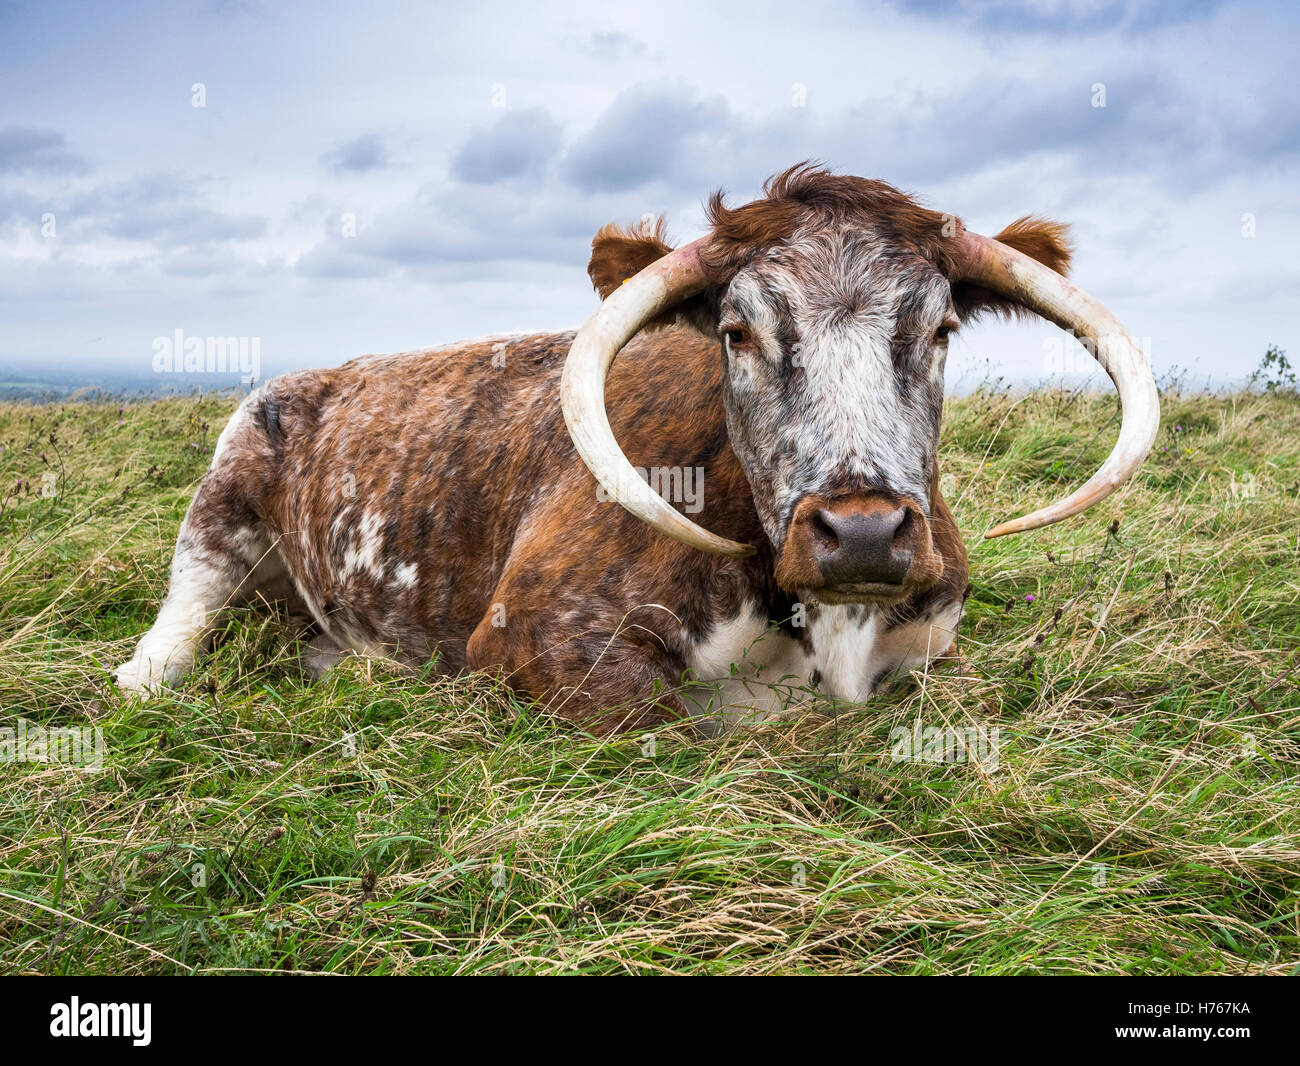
x=47, y=384
x=38, y=383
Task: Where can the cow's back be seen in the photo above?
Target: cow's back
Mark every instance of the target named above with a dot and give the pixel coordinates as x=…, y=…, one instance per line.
x=399, y=482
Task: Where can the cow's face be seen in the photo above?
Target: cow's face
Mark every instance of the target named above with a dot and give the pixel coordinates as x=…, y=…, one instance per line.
x=834, y=344
x=833, y=300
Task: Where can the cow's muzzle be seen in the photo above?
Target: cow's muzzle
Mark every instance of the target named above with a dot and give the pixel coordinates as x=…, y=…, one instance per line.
x=858, y=549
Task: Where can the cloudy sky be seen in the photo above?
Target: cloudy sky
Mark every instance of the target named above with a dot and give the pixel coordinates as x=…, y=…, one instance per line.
x=378, y=177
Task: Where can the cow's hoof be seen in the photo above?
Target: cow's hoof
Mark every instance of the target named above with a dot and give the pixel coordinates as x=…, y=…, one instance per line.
x=320, y=656
x=141, y=677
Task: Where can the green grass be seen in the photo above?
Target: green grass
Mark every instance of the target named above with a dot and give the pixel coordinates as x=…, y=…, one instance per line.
x=1144, y=815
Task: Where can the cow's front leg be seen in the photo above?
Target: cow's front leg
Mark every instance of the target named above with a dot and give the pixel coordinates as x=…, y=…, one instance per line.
x=223, y=554
x=613, y=676
x=205, y=575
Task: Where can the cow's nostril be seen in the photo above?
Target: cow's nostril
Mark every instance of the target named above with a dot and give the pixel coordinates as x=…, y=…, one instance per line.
x=904, y=533
x=824, y=530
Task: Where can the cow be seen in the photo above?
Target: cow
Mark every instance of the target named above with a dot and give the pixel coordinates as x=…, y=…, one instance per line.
x=486, y=505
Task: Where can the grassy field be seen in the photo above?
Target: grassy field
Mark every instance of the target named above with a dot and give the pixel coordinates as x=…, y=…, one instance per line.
x=1141, y=681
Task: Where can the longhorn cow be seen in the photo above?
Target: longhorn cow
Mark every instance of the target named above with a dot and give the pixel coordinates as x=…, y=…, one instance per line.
x=788, y=367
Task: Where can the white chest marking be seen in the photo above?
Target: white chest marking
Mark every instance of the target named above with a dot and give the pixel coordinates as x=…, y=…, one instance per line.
x=745, y=669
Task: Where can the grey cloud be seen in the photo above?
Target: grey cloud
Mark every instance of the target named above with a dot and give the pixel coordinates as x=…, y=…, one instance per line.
x=225, y=9
x=31, y=151
x=358, y=155
x=462, y=228
x=648, y=133
x=162, y=209
x=521, y=144
x=15, y=204
x=1168, y=133
x=334, y=260
x=662, y=147
x=1172, y=135
x=1049, y=16
x=1265, y=131
x=209, y=261
x=993, y=122
x=610, y=44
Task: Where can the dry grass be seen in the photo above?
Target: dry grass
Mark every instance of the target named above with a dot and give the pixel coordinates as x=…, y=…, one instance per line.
x=1142, y=816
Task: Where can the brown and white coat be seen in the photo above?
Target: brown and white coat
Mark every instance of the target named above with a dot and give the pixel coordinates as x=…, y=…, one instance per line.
x=432, y=503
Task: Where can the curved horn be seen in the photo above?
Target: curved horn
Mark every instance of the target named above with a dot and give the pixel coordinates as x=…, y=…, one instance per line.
x=1009, y=272
x=676, y=277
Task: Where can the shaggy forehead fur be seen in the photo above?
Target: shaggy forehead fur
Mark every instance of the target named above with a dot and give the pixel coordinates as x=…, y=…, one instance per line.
x=807, y=197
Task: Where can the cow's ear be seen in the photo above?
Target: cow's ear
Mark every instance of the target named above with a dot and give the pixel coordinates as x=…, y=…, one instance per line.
x=619, y=253
x=1038, y=238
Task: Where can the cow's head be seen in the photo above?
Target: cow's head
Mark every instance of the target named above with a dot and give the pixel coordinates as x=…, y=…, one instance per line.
x=833, y=299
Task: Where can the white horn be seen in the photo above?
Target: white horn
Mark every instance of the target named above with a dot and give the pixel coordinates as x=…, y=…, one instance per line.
x=664, y=283
x=1010, y=273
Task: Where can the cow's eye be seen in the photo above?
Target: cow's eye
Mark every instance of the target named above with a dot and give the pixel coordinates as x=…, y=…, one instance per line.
x=737, y=337
x=941, y=334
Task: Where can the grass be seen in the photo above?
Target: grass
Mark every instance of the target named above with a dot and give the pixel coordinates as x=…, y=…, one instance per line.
x=1143, y=815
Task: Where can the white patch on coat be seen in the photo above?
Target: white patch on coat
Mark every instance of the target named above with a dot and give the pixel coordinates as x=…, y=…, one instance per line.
x=249, y=544
x=505, y=339
x=738, y=669
x=404, y=574
x=363, y=555
x=488, y=338
x=198, y=590
x=747, y=670
x=847, y=414
x=315, y=608
x=855, y=421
